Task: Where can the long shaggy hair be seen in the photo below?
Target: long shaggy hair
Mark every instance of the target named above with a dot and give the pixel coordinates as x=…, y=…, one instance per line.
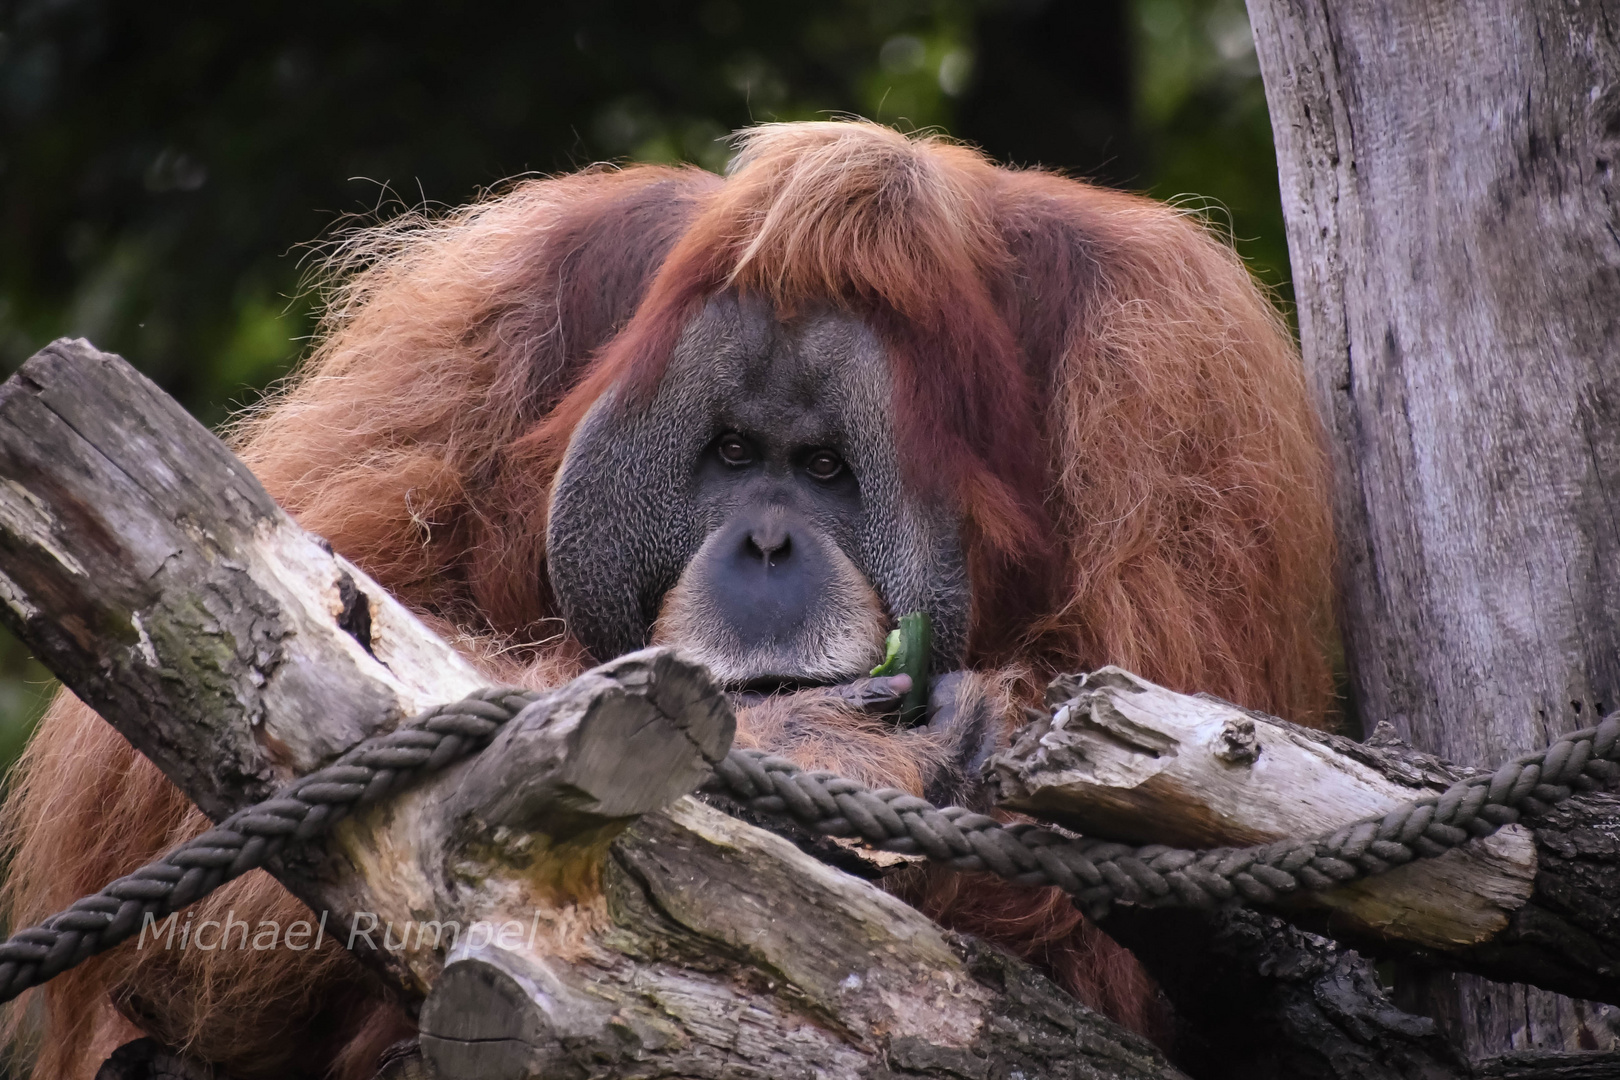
x=1092, y=379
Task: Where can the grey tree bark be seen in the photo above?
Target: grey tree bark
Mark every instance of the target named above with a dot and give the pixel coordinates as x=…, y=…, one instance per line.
x=149, y=569
x=628, y=930
x=1124, y=758
x=1448, y=176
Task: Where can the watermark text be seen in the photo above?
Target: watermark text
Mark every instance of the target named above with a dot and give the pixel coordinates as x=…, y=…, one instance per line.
x=365, y=931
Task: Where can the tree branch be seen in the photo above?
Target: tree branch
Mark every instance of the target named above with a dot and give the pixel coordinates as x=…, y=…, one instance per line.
x=1123, y=757
x=152, y=573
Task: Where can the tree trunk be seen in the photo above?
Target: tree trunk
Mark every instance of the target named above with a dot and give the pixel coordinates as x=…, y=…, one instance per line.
x=1448, y=176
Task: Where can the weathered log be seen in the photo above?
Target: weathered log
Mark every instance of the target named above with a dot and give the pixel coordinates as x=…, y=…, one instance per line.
x=1123, y=757
x=146, y=1059
x=1448, y=176
x=1290, y=1005
x=150, y=571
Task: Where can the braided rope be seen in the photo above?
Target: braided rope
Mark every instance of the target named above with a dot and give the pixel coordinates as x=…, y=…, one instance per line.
x=305, y=808
x=1099, y=874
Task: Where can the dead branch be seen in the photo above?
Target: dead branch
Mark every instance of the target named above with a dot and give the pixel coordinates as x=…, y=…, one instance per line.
x=152, y=573
x=1123, y=757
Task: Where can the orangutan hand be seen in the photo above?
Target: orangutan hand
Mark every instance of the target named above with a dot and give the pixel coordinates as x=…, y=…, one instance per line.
x=961, y=716
x=880, y=694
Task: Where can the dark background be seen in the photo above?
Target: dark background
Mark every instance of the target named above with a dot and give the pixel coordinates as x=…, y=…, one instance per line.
x=167, y=170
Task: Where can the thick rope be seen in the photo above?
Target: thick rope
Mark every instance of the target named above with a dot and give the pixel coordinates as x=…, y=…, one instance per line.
x=1099, y=874
x=249, y=838
x=1096, y=873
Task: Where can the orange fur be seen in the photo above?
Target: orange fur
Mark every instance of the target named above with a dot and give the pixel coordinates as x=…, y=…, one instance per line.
x=1092, y=378
x=812, y=727
x=96, y=804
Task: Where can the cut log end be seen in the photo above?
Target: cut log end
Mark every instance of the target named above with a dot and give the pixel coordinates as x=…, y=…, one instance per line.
x=495, y=1015
x=629, y=737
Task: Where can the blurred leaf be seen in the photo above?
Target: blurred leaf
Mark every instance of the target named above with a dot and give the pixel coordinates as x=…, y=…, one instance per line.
x=1201, y=109
x=164, y=166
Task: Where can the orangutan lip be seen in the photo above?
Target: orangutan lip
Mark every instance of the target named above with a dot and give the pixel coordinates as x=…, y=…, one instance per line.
x=766, y=685
x=755, y=690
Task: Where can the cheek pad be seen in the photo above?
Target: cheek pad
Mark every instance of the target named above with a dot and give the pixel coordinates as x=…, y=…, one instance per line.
x=620, y=527
x=623, y=523
x=909, y=550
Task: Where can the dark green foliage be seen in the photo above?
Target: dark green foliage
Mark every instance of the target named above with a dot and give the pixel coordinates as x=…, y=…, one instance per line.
x=164, y=162
x=164, y=167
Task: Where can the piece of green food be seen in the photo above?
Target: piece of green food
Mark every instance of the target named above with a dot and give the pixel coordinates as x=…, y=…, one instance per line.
x=906, y=652
x=891, y=655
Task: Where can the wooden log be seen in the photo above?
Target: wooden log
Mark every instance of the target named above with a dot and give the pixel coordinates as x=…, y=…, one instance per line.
x=1122, y=757
x=150, y=571
x=733, y=947
x=1286, y=1004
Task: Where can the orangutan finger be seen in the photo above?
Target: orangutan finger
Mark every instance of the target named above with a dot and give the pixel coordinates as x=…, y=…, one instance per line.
x=881, y=694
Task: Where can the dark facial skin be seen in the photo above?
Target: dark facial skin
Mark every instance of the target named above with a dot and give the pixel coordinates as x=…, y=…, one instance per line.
x=754, y=511
x=784, y=503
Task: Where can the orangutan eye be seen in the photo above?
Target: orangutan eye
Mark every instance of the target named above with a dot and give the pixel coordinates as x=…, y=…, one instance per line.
x=734, y=449
x=824, y=465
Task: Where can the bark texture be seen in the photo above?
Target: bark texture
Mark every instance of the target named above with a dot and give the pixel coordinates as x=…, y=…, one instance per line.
x=1448, y=176
x=147, y=567
x=1123, y=757
x=1292, y=1005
